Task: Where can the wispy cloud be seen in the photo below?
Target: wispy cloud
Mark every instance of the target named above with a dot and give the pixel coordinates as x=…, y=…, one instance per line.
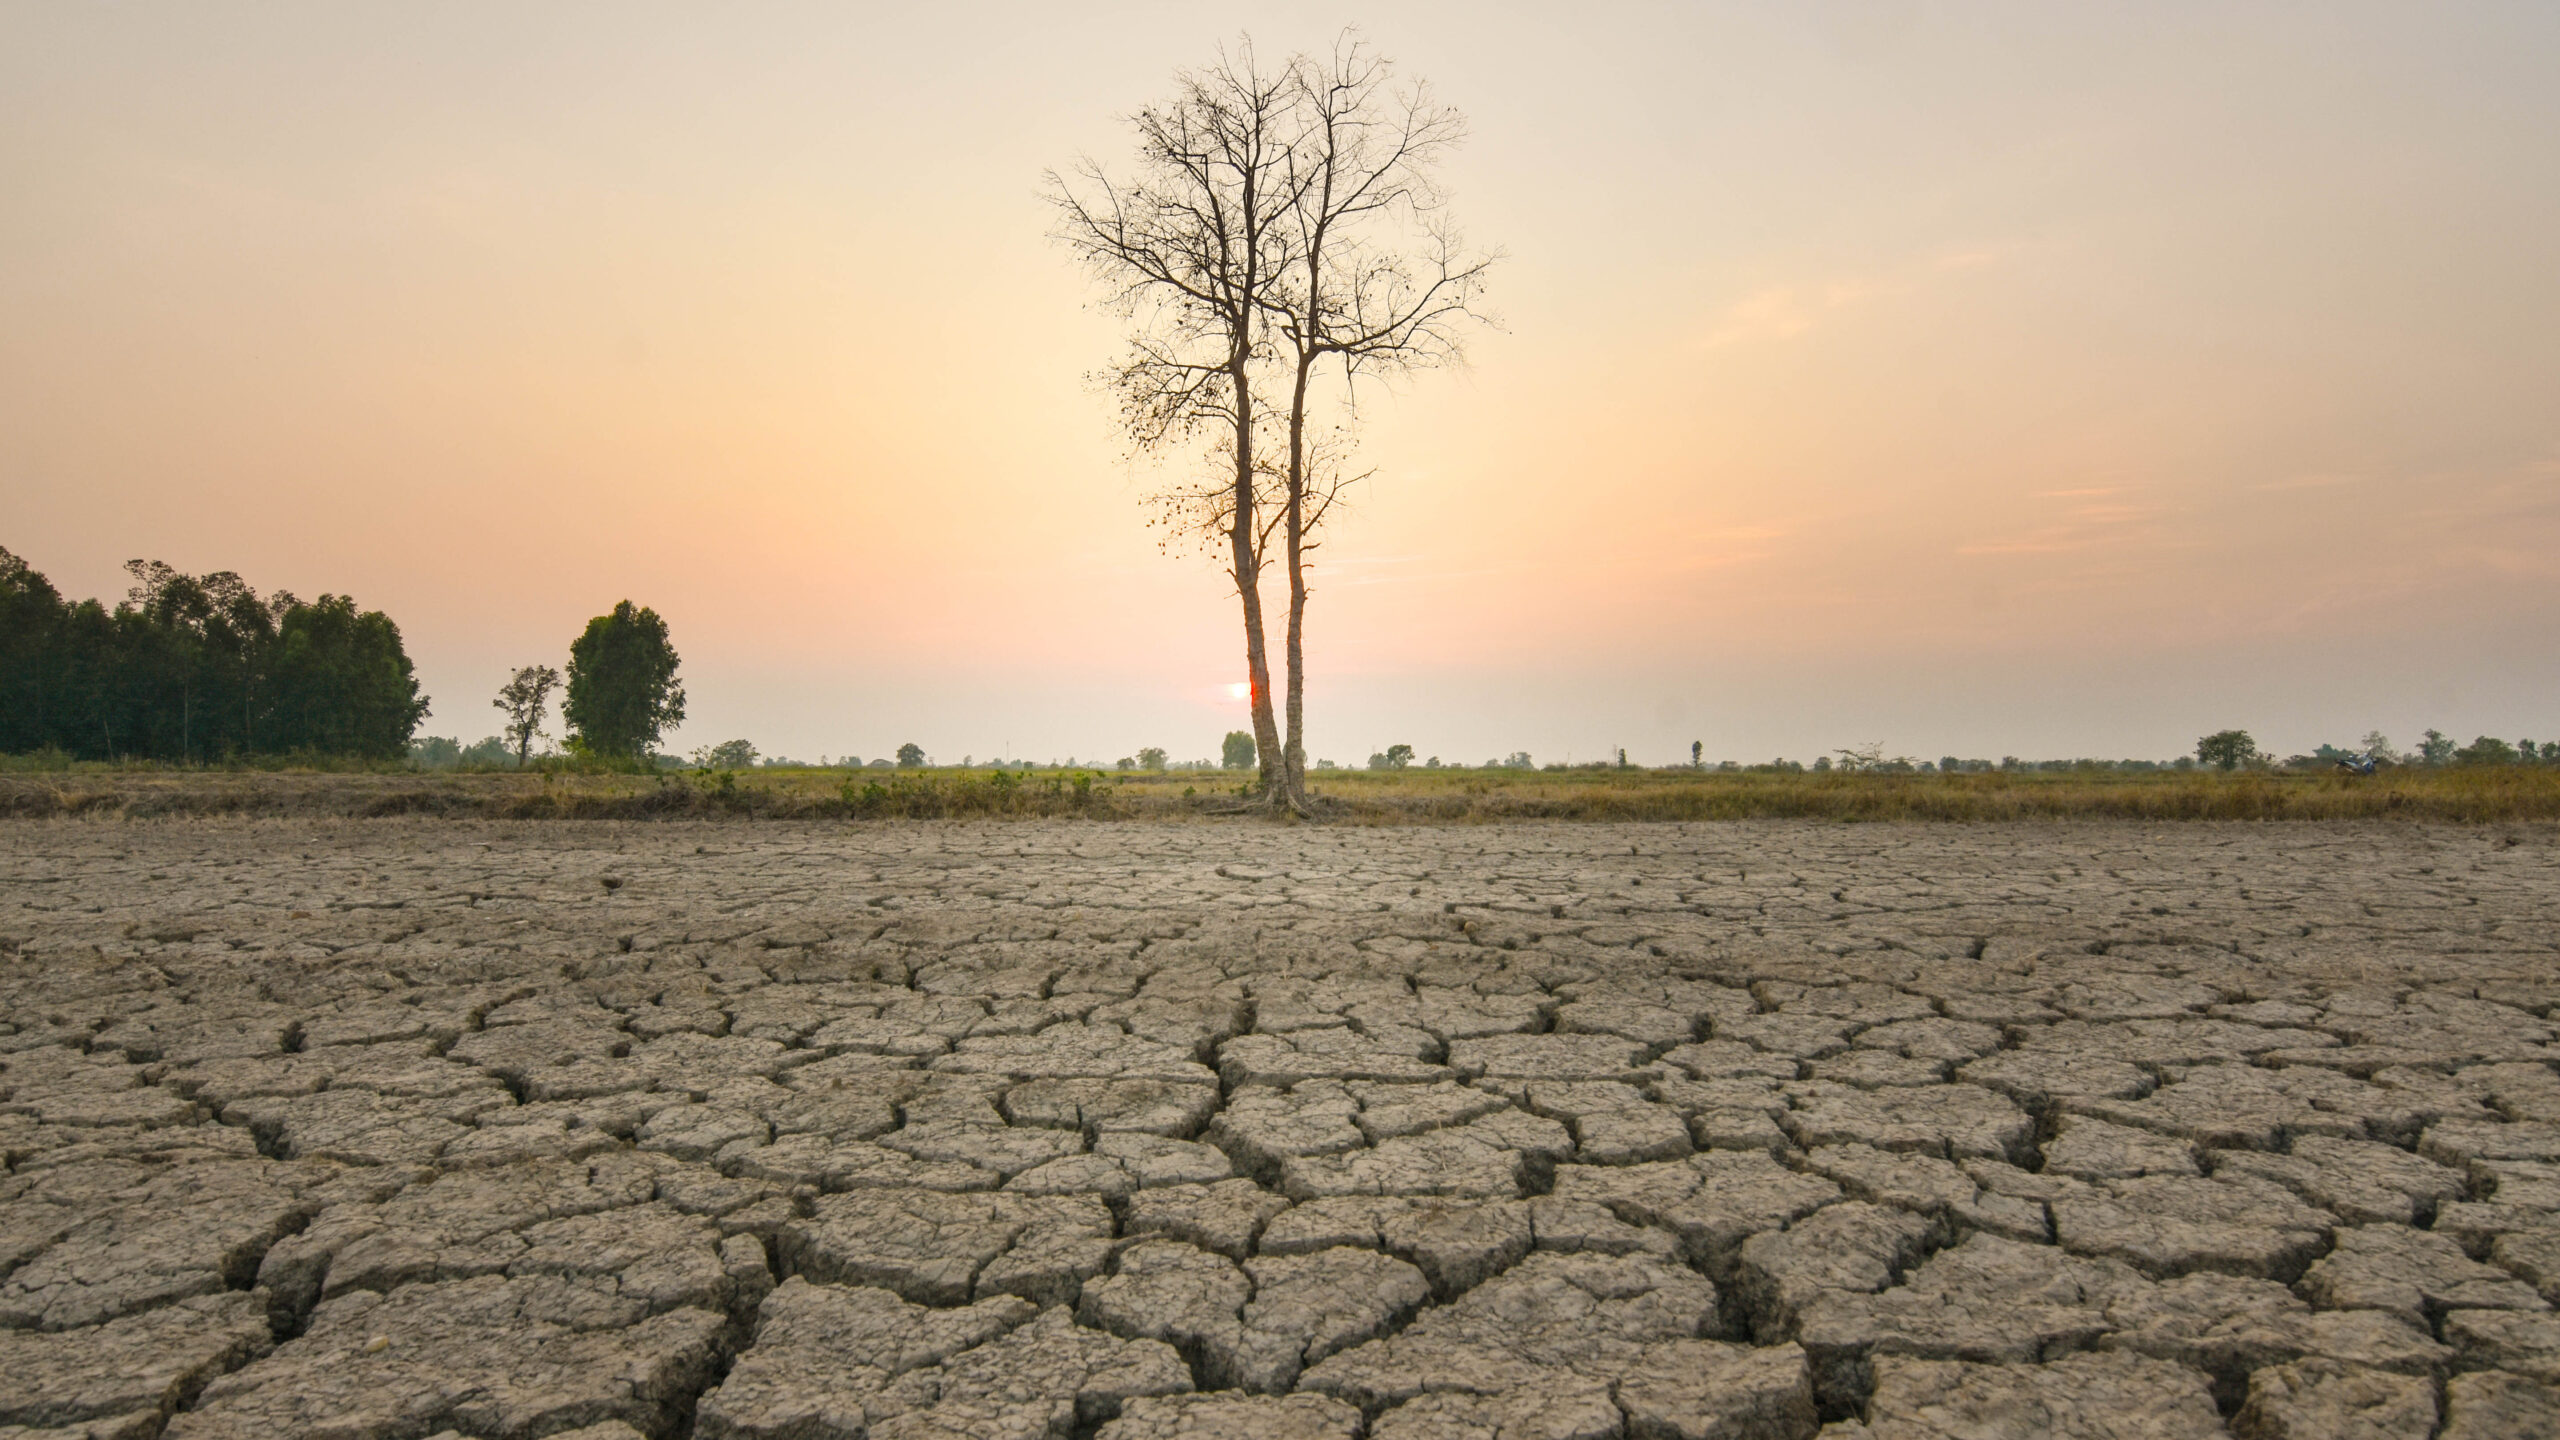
x=1783, y=312
x=2304, y=482
x=2099, y=524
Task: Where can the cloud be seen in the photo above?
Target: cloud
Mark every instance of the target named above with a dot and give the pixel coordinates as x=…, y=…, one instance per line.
x=1783, y=312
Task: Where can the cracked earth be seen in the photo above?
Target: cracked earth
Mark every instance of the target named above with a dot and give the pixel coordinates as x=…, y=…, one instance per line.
x=404, y=1129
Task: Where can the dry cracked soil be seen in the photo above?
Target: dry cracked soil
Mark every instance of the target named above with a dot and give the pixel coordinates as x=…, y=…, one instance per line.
x=768, y=1132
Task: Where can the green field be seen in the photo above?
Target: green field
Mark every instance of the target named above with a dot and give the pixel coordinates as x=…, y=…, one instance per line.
x=2461, y=794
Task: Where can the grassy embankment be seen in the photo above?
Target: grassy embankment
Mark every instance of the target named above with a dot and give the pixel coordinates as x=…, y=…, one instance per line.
x=2473, y=795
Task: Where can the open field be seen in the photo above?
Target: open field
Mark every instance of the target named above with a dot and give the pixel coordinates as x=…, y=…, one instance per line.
x=2462, y=794
x=385, y=1128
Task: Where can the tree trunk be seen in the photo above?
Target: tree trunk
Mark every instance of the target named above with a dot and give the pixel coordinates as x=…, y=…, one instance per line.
x=1293, y=771
x=1248, y=574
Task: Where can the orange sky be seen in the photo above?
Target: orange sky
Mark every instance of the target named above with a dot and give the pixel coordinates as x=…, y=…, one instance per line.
x=2031, y=379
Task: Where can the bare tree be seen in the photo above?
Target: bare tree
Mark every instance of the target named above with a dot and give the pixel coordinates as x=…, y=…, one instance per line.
x=1381, y=286
x=1192, y=251
x=524, y=699
x=1285, y=240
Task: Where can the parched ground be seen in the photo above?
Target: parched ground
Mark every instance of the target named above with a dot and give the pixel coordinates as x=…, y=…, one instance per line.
x=407, y=1127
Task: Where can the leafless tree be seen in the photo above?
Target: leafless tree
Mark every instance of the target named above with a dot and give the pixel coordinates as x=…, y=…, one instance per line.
x=1192, y=250
x=1381, y=286
x=1283, y=242
x=524, y=698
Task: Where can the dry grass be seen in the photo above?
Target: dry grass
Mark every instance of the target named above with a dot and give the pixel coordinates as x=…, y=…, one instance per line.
x=2465, y=795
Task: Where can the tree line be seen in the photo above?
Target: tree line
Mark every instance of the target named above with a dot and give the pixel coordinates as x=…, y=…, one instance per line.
x=194, y=668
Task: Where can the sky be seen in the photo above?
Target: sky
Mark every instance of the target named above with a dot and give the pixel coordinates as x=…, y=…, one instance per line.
x=2041, y=379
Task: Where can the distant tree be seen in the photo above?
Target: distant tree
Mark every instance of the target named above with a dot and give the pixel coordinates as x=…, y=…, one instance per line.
x=1125, y=763
x=1151, y=757
x=435, y=752
x=343, y=682
x=1697, y=753
x=488, y=750
x=1822, y=763
x=2226, y=749
x=2486, y=750
x=32, y=622
x=727, y=755
x=1518, y=760
x=1237, y=753
x=623, y=691
x=1862, y=757
x=910, y=756
x=2435, y=748
x=1394, y=757
x=2378, y=745
x=524, y=699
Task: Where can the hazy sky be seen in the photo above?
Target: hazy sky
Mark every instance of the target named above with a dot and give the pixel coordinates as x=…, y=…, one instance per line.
x=2042, y=379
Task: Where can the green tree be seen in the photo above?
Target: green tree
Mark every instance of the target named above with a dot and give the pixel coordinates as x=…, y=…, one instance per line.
x=1397, y=757
x=2435, y=747
x=343, y=682
x=31, y=644
x=727, y=755
x=1151, y=757
x=2486, y=750
x=524, y=698
x=910, y=756
x=1237, y=752
x=623, y=691
x=2226, y=749
x=435, y=752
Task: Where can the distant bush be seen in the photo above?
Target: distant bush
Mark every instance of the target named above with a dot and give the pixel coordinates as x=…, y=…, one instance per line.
x=2227, y=749
x=727, y=755
x=2486, y=750
x=1237, y=751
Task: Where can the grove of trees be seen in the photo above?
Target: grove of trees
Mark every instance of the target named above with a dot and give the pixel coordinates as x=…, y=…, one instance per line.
x=195, y=668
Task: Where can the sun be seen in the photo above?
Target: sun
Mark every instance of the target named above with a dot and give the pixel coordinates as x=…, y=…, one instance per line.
x=1239, y=690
